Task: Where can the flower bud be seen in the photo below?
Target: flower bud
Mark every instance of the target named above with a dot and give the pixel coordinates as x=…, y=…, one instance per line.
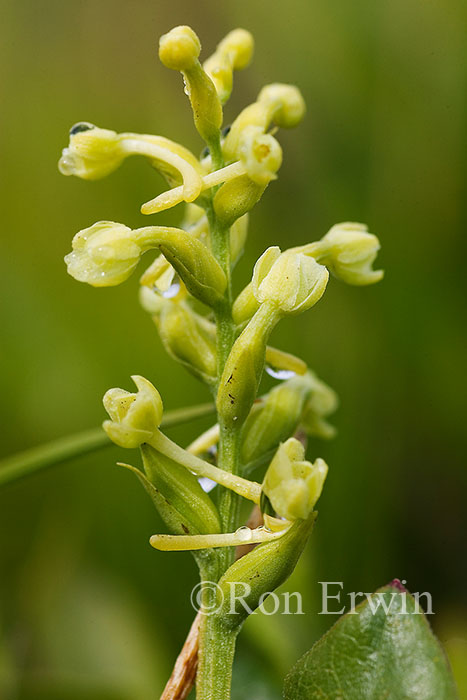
x=187, y=340
x=179, y=50
x=234, y=52
x=291, y=484
x=260, y=572
x=240, y=379
x=276, y=419
x=322, y=401
x=103, y=255
x=291, y=281
x=134, y=417
x=286, y=103
x=235, y=198
x=278, y=104
x=92, y=152
x=349, y=251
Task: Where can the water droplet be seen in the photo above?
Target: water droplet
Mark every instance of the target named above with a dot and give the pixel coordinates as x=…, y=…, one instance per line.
x=67, y=163
x=206, y=484
x=244, y=534
x=172, y=291
x=81, y=126
x=280, y=373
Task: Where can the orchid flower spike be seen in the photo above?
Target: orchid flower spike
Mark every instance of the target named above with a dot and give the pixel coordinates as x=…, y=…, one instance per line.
x=234, y=52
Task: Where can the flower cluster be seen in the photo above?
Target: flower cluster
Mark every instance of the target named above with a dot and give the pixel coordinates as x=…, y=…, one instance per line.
x=225, y=343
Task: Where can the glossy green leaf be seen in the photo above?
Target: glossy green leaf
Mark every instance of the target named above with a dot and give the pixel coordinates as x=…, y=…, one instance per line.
x=383, y=650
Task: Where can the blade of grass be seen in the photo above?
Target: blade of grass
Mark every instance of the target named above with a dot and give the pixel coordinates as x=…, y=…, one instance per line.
x=36, y=459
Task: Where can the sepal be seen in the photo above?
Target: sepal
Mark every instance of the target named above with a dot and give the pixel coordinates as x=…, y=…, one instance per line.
x=179, y=489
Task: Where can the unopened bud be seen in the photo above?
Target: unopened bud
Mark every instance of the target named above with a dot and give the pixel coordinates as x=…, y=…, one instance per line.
x=240, y=379
x=234, y=52
x=278, y=104
x=187, y=340
x=276, y=419
x=291, y=281
x=236, y=198
x=285, y=102
x=179, y=50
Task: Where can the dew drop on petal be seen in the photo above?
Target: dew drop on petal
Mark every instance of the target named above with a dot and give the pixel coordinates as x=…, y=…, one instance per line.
x=244, y=534
x=67, y=164
x=280, y=373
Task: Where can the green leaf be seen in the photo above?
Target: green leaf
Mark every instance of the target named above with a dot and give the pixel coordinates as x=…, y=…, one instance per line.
x=384, y=650
x=59, y=451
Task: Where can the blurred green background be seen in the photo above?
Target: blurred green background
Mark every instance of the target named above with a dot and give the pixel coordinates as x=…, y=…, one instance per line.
x=87, y=608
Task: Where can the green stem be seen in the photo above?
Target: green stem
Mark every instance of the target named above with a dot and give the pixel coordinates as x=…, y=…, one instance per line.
x=216, y=643
x=39, y=458
x=216, y=655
